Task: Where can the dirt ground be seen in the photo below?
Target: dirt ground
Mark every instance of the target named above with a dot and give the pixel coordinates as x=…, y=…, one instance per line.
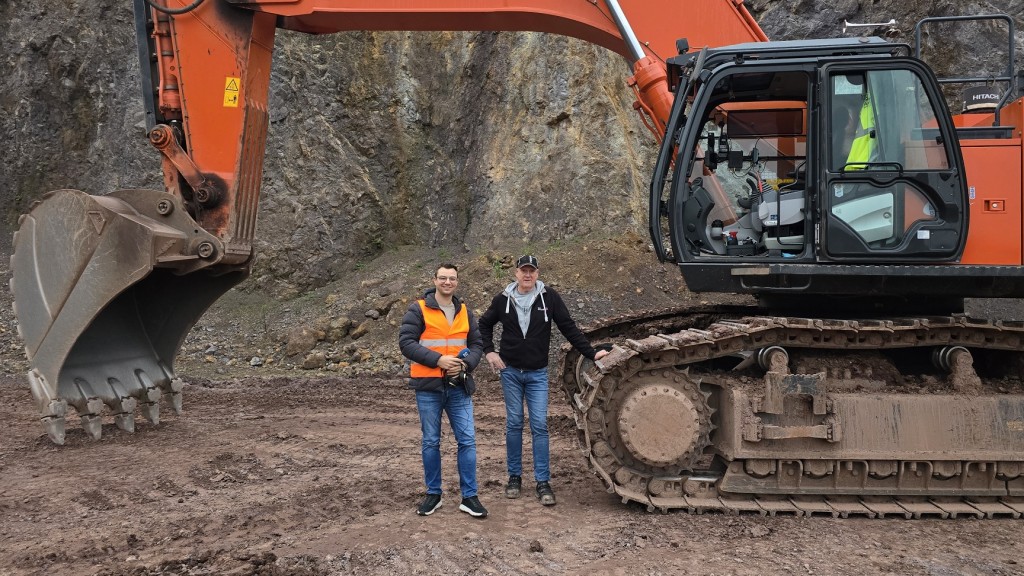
x=322, y=475
x=273, y=469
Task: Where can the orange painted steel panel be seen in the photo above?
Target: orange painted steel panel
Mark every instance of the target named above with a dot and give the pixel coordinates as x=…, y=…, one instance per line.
x=222, y=62
x=222, y=54
x=994, y=175
x=994, y=183
x=657, y=22
x=1011, y=115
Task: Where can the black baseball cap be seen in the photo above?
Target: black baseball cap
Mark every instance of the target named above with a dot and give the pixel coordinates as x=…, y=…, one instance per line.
x=527, y=261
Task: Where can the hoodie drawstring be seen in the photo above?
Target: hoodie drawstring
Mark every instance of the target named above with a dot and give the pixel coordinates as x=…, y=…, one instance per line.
x=543, y=305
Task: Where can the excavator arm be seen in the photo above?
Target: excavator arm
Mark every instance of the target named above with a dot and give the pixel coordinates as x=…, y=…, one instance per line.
x=106, y=287
x=210, y=70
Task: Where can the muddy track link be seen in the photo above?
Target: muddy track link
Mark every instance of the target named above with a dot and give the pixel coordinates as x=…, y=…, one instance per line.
x=648, y=425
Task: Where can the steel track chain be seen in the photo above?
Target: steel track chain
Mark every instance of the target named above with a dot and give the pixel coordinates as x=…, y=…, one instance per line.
x=718, y=338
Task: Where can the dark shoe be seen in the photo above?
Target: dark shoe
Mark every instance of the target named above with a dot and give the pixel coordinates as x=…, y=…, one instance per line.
x=514, y=487
x=473, y=507
x=545, y=493
x=430, y=503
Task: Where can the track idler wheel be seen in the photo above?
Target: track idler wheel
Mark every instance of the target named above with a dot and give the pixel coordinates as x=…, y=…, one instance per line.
x=661, y=420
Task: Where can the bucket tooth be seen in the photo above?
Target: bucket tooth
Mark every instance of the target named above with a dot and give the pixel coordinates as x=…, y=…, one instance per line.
x=125, y=422
x=55, y=409
x=83, y=398
x=151, y=411
x=119, y=399
x=128, y=405
x=93, y=425
x=175, y=395
x=92, y=407
x=149, y=397
x=55, y=427
x=90, y=412
x=125, y=416
x=122, y=405
x=52, y=417
x=176, y=403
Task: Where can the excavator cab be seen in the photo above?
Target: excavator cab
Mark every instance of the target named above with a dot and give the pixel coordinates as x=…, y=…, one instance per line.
x=809, y=168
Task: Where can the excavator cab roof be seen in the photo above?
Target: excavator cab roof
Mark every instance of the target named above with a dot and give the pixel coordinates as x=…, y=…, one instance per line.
x=683, y=65
x=829, y=47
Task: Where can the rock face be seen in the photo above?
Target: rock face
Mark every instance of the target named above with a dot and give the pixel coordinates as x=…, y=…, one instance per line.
x=385, y=139
x=376, y=139
x=964, y=49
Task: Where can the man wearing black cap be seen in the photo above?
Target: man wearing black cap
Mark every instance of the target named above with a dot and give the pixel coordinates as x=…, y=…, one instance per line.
x=526, y=310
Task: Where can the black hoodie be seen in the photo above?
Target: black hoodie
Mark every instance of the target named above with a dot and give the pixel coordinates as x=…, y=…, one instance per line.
x=530, y=352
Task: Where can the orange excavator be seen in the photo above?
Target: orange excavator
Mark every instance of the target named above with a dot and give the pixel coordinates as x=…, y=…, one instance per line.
x=826, y=177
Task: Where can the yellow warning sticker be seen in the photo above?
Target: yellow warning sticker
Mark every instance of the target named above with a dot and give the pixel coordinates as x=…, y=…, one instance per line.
x=231, y=85
x=1015, y=425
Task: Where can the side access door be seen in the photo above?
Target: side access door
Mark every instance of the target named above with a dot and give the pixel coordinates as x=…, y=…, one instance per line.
x=893, y=182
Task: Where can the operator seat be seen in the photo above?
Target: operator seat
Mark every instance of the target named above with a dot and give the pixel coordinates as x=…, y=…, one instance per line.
x=696, y=211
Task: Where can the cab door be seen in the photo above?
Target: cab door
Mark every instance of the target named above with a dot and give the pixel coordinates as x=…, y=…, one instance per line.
x=893, y=176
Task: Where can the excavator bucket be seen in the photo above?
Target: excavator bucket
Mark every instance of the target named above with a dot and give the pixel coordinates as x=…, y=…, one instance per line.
x=105, y=290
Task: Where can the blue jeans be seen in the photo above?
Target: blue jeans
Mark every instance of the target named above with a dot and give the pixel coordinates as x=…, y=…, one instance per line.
x=459, y=407
x=531, y=385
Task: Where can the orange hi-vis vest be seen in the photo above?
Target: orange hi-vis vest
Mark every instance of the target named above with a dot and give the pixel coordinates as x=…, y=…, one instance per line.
x=440, y=337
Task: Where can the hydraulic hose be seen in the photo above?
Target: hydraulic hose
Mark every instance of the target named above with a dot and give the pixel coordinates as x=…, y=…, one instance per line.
x=174, y=11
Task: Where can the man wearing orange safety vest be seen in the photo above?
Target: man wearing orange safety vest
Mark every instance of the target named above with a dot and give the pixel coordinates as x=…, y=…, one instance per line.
x=439, y=335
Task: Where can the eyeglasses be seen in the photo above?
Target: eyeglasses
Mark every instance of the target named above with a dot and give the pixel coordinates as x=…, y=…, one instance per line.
x=443, y=279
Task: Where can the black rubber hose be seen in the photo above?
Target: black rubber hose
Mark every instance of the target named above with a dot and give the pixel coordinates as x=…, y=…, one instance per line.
x=173, y=11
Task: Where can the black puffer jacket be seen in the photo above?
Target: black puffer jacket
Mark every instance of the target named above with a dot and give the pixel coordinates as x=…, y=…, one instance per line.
x=409, y=342
x=530, y=352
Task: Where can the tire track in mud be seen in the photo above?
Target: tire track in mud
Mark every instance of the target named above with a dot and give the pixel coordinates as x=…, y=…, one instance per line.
x=316, y=477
